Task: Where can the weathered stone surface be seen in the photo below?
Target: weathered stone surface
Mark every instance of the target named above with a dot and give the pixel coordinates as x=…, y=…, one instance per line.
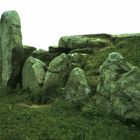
x=120, y=86
x=111, y=70
x=83, y=50
x=11, y=48
x=57, y=50
x=33, y=74
x=27, y=51
x=83, y=41
x=77, y=86
x=47, y=56
x=77, y=59
x=57, y=73
x=40, y=54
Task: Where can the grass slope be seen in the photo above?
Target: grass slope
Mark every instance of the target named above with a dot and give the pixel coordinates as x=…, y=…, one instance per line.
x=57, y=121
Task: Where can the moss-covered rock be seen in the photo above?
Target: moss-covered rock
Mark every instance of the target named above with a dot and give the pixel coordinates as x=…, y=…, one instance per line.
x=57, y=73
x=111, y=70
x=40, y=54
x=11, y=48
x=83, y=41
x=77, y=87
x=33, y=74
x=47, y=56
x=77, y=59
x=120, y=86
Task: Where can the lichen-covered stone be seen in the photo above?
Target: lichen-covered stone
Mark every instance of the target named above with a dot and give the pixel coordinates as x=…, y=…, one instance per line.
x=111, y=70
x=77, y=87
x=120, y=86
x=77, y=59
x=57, y=73
x=83, y=41
x=47, y=56
x=33, y=74
x=11, y=48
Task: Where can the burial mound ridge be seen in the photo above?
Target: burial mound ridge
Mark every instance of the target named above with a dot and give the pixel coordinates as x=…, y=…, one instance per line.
x=80, y=67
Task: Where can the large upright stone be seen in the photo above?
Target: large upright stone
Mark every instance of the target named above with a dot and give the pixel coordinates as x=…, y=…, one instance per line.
x=57, y=73
x=10, y=48
x=111, y=70
x=77, y=87
x=33, y=74
x=119, y=88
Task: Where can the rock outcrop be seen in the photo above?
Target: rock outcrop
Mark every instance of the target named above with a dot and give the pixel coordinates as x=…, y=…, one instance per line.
x=10, y=48
x=119, y=87
x=77, y=87
x=33, y=74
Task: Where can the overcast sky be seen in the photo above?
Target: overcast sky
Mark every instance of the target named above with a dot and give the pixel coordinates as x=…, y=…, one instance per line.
x=45, y=21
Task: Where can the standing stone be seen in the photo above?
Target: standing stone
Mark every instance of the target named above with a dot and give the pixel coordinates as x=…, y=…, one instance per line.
x=10, y=48
x=111, y=70
x=77, y=86
x=57, y=73
x=33, y=74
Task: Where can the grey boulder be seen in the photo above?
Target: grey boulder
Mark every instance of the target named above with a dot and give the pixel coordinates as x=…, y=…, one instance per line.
x=57, y=73
x=119, y=88
x=77, y=87
x=33, y=74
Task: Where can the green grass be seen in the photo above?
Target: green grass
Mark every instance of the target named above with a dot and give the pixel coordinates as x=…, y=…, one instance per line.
x=59, y=120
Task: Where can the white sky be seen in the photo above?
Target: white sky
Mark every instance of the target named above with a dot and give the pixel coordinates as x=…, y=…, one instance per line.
x=45, y=21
